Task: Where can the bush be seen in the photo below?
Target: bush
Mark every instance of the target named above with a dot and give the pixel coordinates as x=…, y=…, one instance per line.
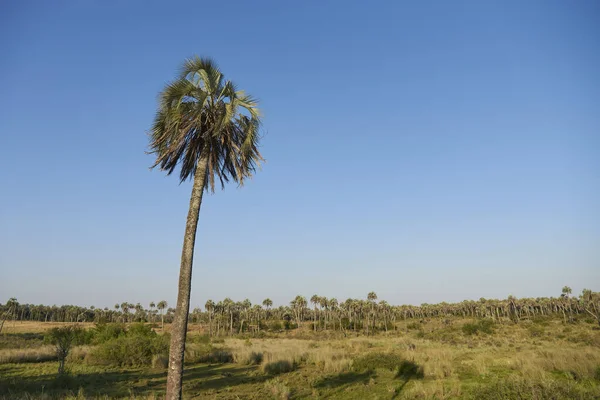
x=135, y=347
x=105, y=332
x=63, y=340
x=279, y=367
x=483, y=326
x=373, y=361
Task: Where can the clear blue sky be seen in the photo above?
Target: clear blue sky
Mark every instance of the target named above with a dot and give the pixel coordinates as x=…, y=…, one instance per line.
x=427, y=151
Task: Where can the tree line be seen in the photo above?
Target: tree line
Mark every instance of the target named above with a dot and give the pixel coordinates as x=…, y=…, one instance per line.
x=228, y=317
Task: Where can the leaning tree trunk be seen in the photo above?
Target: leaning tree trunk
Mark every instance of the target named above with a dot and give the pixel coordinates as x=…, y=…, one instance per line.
x=182, y=308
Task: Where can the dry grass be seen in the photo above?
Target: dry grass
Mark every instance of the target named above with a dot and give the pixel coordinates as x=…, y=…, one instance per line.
x=39, y=354
x=39, y=327
x=326, y=356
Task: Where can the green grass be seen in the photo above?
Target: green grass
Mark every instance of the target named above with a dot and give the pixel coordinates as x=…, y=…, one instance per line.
x=540, y=359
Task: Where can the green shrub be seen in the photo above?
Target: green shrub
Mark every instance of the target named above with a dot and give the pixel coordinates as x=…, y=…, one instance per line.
x=105, y=332
x=483, y=326
x=63, y=340
x=135, y=347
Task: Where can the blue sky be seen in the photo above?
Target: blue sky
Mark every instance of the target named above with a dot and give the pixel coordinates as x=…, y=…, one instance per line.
x=427, y=151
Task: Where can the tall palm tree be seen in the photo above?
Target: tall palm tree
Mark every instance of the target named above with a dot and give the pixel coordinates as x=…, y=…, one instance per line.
x=210, y=129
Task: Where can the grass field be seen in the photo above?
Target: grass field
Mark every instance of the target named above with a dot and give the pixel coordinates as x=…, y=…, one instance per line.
x=456, y=359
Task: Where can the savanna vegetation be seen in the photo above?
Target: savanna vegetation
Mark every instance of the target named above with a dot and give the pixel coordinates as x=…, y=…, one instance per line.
x=546, y=348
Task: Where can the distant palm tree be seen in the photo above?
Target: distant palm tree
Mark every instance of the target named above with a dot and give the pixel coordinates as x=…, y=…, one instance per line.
x=298, y=305
x=210, y=129
x=161, y=307
x=152, y=305
x=210, y=307
x=371, y=297
x=315, y=300
x=267, y=303
x=125, y=310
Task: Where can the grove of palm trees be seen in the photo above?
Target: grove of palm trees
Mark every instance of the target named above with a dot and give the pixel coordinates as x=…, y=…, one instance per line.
x=351, y=316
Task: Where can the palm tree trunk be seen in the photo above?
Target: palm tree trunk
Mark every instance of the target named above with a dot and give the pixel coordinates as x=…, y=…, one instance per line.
x=182, y=308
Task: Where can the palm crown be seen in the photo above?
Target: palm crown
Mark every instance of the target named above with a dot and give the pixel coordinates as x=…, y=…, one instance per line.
x=202, y=116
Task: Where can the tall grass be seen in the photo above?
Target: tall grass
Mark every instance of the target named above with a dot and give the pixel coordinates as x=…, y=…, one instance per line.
x=26, y=355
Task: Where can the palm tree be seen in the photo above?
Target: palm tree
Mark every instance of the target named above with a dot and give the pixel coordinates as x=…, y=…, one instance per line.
x=125, y=309
x=211, y=129
x=152, y=305
x=267, y=303
x=315, y=300
x=161, y=307
x=209, y=306
x=371, y=297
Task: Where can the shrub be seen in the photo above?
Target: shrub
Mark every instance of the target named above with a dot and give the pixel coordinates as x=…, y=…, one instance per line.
x=279, y=367
x=135, y=347
x=63, y=340
x=483, y=326
x=105, y=332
